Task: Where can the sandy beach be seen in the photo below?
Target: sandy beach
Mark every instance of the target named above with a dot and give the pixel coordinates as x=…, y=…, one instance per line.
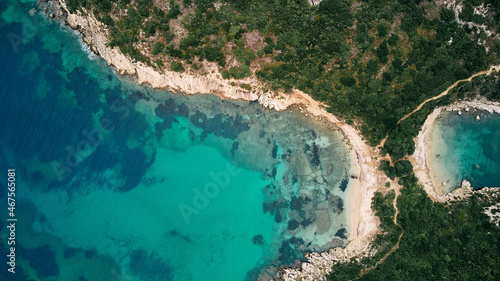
x=424, y=147
x=363, y=225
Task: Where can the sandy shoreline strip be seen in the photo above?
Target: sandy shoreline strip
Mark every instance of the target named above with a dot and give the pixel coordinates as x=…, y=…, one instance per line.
x=363, y=225
x=423, y=149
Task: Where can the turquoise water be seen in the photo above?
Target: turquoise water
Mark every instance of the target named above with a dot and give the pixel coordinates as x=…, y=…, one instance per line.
x=117, y=181
x=466, y=148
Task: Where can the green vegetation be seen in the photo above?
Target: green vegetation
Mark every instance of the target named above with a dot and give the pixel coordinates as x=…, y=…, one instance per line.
x=384, y=209
x=389, y=170
x=246, y=87
x=237, y=72
x=177, y=66
x=158, y=48
x=398, y=54
x=441, y=241
x=403, y=168
x=452, y=241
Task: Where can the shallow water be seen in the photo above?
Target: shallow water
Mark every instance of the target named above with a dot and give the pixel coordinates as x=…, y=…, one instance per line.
x=466, y=148
x=117, y=181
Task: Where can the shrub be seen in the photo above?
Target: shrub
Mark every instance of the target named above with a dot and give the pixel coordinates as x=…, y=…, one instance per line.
x=268, y=49
x=107, y=20
x=403, y=168
x=382, y=30
x=177, y=67
x=157, y=48
x=246, y=86
x=394, y=40
x=159, y=63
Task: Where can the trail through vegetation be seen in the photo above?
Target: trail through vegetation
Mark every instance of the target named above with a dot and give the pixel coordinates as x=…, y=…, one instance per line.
x=492, y=69
x=387, y=158
x=395, y=204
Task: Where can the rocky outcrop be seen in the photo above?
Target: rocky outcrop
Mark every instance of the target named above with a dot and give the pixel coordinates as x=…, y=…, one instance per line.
x=480, y=103
x=96, y=35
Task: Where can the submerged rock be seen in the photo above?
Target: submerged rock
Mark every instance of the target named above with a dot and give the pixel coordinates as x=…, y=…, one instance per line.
x=344, y=184
x=69, y=252
x=341, y=233
x=258, y=239
x=149, y=267
x=138, y=95
x=198, y=119
x=41, y=259
x=278, y=218
x=306, y=222
x=91, y=253
x=286, y=253
x=166, y=109
x=296, y=241
x=315, y=155
x=275, y=151
x=262, y=133
x=337, y=204
x=293, y=225
x=275, y=205
x=298, y=203
x=234, y=147
x=183, y=110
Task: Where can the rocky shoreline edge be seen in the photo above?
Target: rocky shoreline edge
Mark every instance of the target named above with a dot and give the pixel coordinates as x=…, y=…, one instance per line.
x=363, y=223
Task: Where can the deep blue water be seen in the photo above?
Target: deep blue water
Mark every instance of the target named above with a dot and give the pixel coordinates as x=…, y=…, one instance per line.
x=117, y=181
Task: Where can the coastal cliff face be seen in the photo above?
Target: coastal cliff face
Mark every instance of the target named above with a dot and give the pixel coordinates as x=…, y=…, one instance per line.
x=95, y=34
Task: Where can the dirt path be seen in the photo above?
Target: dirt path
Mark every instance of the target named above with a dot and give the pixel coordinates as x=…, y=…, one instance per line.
x=446, y=92
x=395, y=220
x=396, y=188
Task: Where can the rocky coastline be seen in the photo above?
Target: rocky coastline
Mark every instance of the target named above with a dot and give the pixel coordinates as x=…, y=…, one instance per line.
x=421, y=156
x=363, y=223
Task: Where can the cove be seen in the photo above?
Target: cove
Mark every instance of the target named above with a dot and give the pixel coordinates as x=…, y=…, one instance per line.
x=117, y=180
x=464, y=148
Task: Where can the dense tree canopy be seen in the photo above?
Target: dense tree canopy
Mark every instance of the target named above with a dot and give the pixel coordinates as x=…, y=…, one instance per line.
x=441, y=241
